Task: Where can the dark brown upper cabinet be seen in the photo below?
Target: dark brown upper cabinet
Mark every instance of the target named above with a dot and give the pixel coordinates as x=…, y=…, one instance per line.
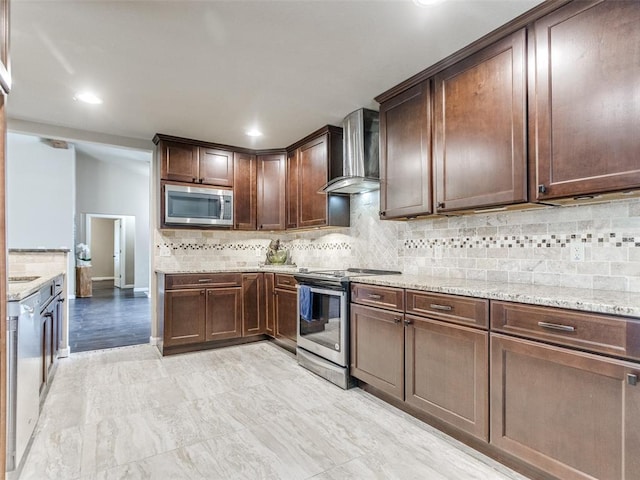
x=405, y=154
x=585, y=103
x=271, y=191
x=292, y=188
x=185, y=162
x=311, y=163
x=480, y=126
x=215, y=167
x=244, y=192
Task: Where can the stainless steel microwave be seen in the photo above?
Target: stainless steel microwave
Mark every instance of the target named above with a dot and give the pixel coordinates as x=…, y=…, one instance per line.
x=186, y=205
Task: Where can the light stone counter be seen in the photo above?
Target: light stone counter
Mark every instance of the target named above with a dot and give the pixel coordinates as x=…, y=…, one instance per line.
x=20, y=290
x=259, y=268
x=600, y=301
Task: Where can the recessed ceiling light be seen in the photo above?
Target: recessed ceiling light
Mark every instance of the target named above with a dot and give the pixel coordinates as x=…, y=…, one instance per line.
x=254, y=133
x=427, y=3
x=88, y=97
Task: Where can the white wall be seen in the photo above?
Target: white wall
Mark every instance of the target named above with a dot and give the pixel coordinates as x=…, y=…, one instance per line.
x=116, y=188
x=40, y=193
x=40, y=196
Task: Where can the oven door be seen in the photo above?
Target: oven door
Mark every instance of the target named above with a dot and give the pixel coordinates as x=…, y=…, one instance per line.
x=323, y=322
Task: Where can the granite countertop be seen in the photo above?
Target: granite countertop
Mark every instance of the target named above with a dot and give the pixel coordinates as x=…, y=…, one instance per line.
x=588, y=300
x=39, y=250
x=18, y=291
x=599, y=301
x=258, y=268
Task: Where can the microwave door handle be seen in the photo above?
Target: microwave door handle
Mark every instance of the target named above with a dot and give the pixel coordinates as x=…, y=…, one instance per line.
x=221, y=197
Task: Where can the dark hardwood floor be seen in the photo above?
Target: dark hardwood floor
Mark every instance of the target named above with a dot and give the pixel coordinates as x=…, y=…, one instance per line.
x=112, y=317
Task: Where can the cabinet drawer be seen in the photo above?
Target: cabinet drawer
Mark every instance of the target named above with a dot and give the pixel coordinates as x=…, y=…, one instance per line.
x=285, y=281
x=193, y=280
x=589, y=331
x=450, y=308
x=385, y=297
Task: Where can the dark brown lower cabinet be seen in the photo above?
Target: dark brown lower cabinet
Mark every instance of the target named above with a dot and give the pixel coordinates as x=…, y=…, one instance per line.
x=572, y=414
x=286, y=312
x=253, y=298
x=223, y=313
x=377, y=348
x=184, y=313
x=446, y=373
x=269, y=303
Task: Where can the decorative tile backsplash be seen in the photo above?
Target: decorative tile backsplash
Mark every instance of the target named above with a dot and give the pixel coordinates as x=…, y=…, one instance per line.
x=184, y=250
x=589, y=246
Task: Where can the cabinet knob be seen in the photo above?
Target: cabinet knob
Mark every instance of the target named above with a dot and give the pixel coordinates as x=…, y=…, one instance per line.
x=200, y=180
x=440, y=205
x=397, y=320
x=542, y=189
x=260, y=227
x=408, y=322
x=194, y=179
x=383, y=214
x=201, y=292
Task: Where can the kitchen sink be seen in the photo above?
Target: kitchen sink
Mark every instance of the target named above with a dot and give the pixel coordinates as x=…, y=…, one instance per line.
x=22, y=279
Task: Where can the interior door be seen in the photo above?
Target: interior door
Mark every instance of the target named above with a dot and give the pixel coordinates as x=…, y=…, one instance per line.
x=117, y=251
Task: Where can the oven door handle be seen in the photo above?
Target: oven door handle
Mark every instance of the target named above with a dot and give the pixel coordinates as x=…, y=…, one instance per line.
x=336, y=292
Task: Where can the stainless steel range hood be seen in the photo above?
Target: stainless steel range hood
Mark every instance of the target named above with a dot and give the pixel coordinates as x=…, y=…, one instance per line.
x=361, y=166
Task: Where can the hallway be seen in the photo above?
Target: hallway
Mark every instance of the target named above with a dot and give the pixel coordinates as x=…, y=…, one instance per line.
x=112, y=317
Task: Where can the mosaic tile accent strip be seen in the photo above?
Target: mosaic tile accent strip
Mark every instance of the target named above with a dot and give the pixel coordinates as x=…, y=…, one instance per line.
x=218, y=247
x=526, y=241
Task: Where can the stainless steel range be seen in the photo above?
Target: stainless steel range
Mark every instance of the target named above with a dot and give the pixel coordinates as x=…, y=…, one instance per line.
x=323, y=321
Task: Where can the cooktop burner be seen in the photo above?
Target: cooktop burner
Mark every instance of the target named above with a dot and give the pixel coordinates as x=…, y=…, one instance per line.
x=339, y=276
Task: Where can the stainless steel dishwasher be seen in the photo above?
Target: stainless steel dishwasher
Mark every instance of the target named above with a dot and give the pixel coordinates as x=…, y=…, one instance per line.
x=24, y=354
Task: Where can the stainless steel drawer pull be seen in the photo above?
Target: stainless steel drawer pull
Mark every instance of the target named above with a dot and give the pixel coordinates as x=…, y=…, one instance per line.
x=374, y=296
x=555, y=326
x=204, y=280
x=446, y=308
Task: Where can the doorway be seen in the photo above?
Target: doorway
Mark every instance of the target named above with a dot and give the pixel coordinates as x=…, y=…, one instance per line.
x=111, y=239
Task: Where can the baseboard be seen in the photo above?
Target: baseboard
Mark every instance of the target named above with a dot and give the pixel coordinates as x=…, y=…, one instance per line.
x=130, y=285
x=64, y=352
x=141, y=289
x=153, y=341
x=101, y=278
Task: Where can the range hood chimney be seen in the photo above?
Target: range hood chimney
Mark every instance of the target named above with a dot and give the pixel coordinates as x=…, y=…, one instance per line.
x=360, y=154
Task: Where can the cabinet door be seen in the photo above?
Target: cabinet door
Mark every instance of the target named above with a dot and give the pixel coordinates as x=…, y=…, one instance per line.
x=292, y=188
x=286, y=313
x=585, y=100
x=179, y=161
x=253, y=304
x=224, y=313
x=447, y=373
x=244, y=191
x=271, y=192
x=312, y=175
x=184, y=312
x=480, y=147
x=269, y=302
x=377, y=349
x=572, y=414
x=215, y=167
x=47, y=346
x=405, y=154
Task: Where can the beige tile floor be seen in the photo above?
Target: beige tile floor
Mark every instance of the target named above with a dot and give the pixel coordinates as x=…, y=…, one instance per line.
x=246, y=412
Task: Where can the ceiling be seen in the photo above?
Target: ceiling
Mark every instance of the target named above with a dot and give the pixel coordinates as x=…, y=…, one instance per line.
x=210, y=70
